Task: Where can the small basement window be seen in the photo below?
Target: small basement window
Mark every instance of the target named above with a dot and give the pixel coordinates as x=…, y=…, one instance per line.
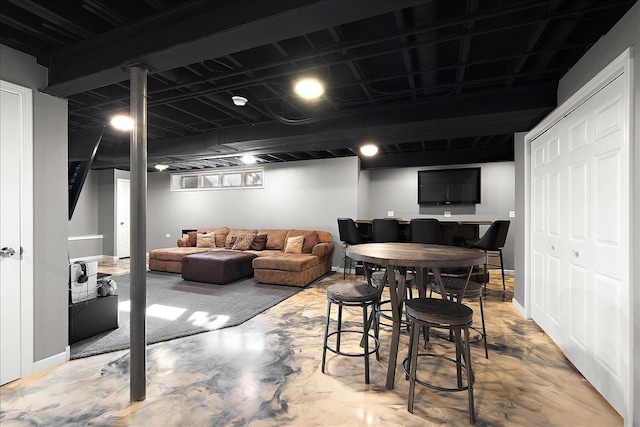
x=224, y=179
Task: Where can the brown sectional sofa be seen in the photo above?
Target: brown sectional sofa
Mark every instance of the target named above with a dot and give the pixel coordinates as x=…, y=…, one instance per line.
x=271, y=265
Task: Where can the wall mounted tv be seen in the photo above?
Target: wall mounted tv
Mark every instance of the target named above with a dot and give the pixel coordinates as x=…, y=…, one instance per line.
x=449, y=186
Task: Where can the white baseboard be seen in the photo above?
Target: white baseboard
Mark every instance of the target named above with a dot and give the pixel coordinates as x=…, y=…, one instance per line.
x=87, y=258
x=51, y=361
x=518, y=307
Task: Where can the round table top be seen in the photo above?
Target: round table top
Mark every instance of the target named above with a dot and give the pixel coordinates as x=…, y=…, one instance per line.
x=416, y=255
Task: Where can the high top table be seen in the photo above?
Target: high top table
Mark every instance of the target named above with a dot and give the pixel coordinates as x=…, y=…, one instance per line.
x=393, y=256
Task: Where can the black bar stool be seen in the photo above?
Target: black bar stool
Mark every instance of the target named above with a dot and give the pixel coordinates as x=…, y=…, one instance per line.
x=446, y=314
x=351, y=294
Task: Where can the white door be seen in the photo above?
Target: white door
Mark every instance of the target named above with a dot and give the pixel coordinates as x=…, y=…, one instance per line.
x=122, y=221
x=579, y=239
x=10, y=285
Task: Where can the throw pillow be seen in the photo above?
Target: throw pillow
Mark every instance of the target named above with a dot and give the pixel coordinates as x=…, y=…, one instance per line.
x=193, y=238
x=184, y=241
x=232, y=241
x=243, y=242
x=294, y=245
x=259, y=242
x=310, y=240
x=206, y=240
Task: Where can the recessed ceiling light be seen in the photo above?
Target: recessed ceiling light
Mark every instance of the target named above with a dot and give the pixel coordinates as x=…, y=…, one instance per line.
x=240, y=101
x=369, y=150
x=122, y=122
x=248, y=159
x=161, y=167
x=309, y=88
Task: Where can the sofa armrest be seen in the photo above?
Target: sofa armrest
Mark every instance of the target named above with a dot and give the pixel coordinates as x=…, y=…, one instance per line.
x=322, y=249
x=182, y=242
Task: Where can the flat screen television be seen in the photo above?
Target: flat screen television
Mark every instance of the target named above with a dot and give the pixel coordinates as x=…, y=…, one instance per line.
x=449, y=186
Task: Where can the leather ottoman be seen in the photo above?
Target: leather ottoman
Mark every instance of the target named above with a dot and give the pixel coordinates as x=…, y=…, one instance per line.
x=220, y=267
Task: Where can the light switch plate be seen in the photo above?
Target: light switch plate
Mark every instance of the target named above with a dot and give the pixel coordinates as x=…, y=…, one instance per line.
x=512, y=214
x=167, y=235
x=389, y=213
x=447, y=214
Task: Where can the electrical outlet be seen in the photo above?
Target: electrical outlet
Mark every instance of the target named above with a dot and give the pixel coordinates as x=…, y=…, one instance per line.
x=167, y=235
x=512, y=214
x=389, y=213
x=447, y=214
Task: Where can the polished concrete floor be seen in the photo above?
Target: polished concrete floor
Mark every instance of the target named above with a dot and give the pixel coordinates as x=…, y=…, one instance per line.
x=266, y=372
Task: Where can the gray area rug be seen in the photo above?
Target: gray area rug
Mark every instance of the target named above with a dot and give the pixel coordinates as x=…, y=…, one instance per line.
x=177, y=308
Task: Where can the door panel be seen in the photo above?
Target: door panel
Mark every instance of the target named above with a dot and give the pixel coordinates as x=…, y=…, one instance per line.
x=123, y=224
x=10, y=285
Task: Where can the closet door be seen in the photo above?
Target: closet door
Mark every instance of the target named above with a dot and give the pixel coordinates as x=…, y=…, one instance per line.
x=579, y=257
x=548, y=239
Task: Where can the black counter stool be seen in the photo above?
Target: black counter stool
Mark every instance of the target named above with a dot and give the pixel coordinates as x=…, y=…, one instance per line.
x=351, y=294
x=455, y=288
x=440, y=313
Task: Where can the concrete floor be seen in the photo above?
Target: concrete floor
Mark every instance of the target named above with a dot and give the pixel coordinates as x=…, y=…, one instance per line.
x=266, y=372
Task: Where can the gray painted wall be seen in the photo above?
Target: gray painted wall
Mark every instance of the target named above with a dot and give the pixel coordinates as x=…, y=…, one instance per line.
x=84, y=221
x=307, y=194
x=397, y=190
x=50, y=204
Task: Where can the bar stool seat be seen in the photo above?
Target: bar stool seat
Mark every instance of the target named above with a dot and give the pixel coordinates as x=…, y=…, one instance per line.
x=454, y=287
x=351, y=294
x=440, y=313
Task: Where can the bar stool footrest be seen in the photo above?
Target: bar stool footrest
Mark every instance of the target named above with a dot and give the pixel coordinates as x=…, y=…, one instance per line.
x=373, y=345
x=405, y=368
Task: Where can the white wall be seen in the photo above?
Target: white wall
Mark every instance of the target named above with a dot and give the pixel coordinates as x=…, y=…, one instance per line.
x=307, y=194
x=50, y=196
x=397, y=190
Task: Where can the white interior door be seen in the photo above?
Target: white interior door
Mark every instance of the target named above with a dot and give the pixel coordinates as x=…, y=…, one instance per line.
x=579, y=264
x=10, y=286
x=123, y=225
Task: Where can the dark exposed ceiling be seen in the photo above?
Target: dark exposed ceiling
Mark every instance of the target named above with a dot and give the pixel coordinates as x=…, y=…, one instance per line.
x=430, y=82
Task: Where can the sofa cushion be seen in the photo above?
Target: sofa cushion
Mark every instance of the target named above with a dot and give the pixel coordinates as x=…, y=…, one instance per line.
x=287, y=262
x=221, y=234
x=259, y=242
x=192, y=238
x=183, y=242
x=310, y=240
x=235, y=232
x=206, y=240
x=294, y=245
x=275, y=238
x=174, y=254
x=324, y=236
x=243, y=242
x=232, y=241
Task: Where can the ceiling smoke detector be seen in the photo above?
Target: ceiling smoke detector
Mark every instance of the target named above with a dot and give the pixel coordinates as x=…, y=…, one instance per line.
x=240, y=101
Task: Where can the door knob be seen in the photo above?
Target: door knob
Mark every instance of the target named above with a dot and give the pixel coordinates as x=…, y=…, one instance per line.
x=7, y=252
x=122, y=223
x=552, y=247
x=576, y=254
